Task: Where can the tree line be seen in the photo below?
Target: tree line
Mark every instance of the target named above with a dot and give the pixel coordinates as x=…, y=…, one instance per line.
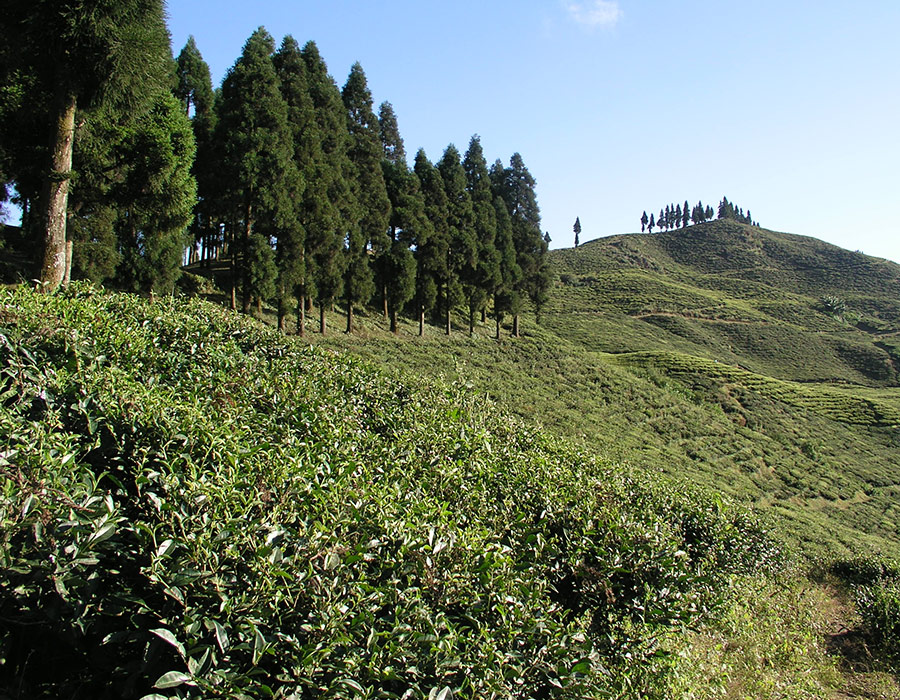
x=675, y=216
x=122, y=156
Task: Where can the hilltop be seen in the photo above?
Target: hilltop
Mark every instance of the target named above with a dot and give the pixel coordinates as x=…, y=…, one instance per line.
x=783, y=305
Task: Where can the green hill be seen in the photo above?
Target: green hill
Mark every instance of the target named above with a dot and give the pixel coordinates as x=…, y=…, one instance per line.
x=608, y=506
x=758, y=390
x=194, y=506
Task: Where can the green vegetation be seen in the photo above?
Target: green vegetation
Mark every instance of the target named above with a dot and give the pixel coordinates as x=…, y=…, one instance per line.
x=193, y=506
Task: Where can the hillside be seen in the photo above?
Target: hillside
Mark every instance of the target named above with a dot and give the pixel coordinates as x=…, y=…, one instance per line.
x=752, y=389
x=786, y=306
x=193, y=506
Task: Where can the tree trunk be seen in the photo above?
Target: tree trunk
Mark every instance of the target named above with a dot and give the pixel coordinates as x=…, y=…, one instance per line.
x=394, y=322
x=233, y=268
x=471, y=321
x=421, y=321
x=245, y=272
x=384, y=297
x=56, y=191
x=484, y=313
x=68, y=276
x=322, y=328
x=301, y=315
x=497, y=335
x=515, y=328
x=259, y=307
x=349, y=316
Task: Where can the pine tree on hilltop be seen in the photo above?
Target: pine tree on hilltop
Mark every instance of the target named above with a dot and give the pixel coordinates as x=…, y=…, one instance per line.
x=577, y=228
x=517, y=188
x=409, y=228
x=644, y=221
x=651, y=224
x=685, y=215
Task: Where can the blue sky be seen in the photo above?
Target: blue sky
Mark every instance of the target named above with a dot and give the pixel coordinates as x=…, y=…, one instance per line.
x=789, y=108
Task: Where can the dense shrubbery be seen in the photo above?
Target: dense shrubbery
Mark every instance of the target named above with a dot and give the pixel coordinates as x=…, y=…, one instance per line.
x=192, y=506
x=876, y=585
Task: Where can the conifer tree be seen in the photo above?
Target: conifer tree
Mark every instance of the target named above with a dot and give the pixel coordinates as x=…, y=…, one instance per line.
x=651, y=224
x=577, y=229
x=517, y=190
x=194, y=87
x=432, y=270
x=368, y=229
x=685, y=215
x=257, y=156
x=488, y=273
x=508, y=298
x=196, y=93
x=644, y=221
x=326, y=206
x=463, y=249
x=390, y=134
x=409, y=226
x=676, y=217
x=661, y=220
x=291, y=245
x=158, y=192
x=77, y=57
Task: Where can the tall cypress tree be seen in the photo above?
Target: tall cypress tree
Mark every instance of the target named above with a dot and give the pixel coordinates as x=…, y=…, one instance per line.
x=160, y=193
x=329, y=204
x=508, y=297
x=488, y=274
x=257, y=152
x=409, y=225
x=432, y=257
x=291, y=253
x=463, y=251
x=577, y=229
x=390, y=134
x=76, y=57
x=531, y=249
x=197, y=96
x=369, y=228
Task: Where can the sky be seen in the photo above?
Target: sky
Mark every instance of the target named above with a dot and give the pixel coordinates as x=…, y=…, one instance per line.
x=790, y=108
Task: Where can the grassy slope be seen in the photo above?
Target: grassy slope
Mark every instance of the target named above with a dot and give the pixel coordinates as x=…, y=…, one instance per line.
x=707, y=353
x=193, y=503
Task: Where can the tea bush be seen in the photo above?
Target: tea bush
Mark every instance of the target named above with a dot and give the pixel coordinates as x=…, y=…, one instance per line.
x=193, y=506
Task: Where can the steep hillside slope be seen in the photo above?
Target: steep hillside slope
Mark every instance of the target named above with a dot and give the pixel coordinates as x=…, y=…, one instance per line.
x=782, y=305
x=193, y=506
x=756, y=389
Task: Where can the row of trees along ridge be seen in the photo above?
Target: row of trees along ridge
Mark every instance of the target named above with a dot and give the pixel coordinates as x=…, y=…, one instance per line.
x=676, y=216
x=297, y=183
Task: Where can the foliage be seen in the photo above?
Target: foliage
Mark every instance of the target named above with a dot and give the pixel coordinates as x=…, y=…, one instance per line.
x=192, y=506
